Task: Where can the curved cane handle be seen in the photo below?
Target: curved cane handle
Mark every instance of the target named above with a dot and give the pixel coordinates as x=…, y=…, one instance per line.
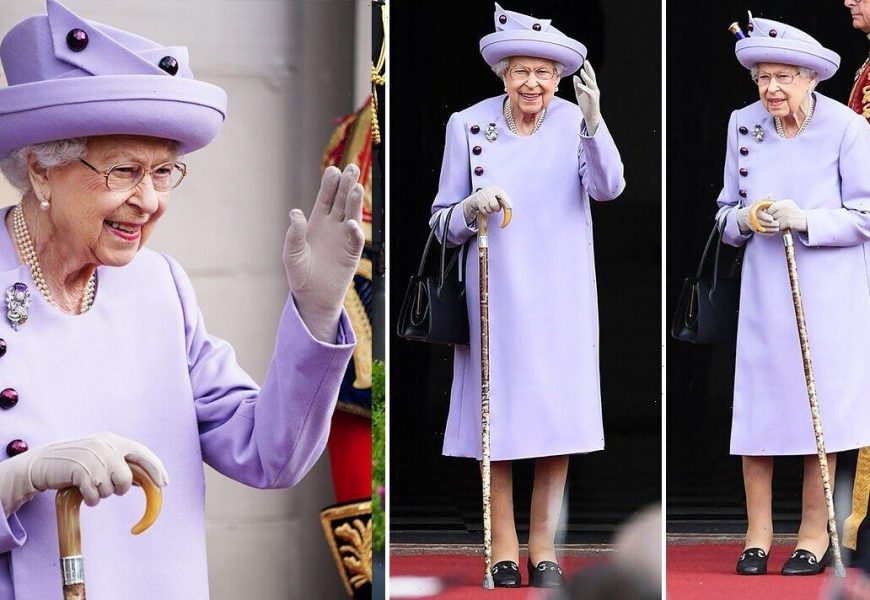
x=69, y=501
x=753, y=214
x=153, y=498
x=506, y=217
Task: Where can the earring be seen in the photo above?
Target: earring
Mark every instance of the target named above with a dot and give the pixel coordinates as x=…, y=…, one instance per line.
x=44, y=204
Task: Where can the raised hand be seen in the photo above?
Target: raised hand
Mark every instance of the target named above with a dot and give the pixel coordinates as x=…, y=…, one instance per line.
x=588, y=97
x=321, y=254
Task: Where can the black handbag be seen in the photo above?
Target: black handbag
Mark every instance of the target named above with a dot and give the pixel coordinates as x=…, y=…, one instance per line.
x=434, y=309
x=707, y=310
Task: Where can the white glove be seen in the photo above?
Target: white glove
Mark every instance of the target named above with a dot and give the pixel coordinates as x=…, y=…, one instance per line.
x=488, y=200
x=767, y=222
x=96, y=465
x=588, y=97
x=322, y=255
x=789, y=215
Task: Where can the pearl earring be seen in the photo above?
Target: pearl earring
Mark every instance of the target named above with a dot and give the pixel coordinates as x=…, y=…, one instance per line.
x=44, y=204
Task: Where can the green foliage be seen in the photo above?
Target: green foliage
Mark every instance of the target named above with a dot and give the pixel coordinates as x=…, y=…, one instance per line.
x=378, y=449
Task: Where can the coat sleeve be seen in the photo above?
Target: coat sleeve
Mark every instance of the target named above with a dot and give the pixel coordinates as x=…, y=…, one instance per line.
x=848, y=225
x=729, y=200
x=267, y=437
x=454, y=186
x=600, y=167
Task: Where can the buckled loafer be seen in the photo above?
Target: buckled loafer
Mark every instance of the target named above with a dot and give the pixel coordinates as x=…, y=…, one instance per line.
x=546, y=575
x=752, y=561
x=505, y=573
x=804, y=562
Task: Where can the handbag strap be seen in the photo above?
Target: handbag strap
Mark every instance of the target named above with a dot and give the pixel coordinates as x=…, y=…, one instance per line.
x=718, y=228
x=443, y=271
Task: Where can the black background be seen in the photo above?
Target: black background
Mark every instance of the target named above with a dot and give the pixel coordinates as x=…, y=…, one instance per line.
x=704, y=84
x=436, y=69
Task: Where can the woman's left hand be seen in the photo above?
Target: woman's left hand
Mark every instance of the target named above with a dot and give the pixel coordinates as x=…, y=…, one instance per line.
x=321, y=255
x=588, y=97
x=789, y=215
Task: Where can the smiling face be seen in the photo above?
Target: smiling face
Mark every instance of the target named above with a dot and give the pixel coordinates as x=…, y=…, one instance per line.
x=860, y=12
x=528, y=93
x=780, y=99
x=96, y=224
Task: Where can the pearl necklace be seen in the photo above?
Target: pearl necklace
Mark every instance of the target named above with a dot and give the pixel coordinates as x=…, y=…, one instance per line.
x=778, y=122
x=25, y=246
x=509, y=117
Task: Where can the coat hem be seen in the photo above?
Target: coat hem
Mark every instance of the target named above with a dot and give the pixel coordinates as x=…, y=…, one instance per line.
x=525, y=455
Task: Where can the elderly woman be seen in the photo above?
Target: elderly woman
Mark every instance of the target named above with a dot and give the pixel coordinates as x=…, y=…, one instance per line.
x=808, y=154
x=105, y=356
x=543, y=157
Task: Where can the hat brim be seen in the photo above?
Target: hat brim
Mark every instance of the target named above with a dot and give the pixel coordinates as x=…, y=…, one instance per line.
x=753, y=50
x=504, y=44
x=187, y=111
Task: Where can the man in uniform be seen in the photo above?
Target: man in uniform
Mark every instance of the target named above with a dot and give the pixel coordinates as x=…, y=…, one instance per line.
x=855, y=534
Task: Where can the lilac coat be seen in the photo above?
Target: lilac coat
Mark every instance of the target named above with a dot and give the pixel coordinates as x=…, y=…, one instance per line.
x=141, y=364
x=825, y=172
x=543, y=303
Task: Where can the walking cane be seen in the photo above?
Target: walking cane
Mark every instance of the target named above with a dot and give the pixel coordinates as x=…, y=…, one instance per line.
x=69, y=534
x=483, y=262
x=788, y=242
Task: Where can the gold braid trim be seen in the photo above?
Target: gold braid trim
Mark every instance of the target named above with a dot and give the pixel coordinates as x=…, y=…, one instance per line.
x=379, y=78
x=860, y=498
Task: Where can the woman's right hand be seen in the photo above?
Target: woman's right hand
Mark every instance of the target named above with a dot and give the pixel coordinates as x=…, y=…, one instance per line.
x=96, y=465
x=768, y=223
x=488, y=200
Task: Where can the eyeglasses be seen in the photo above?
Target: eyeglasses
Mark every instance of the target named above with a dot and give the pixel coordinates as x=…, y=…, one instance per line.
x=764, y=80
x=126, y=176
x=523, y=73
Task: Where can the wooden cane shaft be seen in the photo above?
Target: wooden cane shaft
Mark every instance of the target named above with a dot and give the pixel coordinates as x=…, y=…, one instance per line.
x=483, y=267
x=813, y=398
x=75, y=591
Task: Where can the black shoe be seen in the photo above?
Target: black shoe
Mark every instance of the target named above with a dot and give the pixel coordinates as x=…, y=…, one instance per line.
x=546, y=575
x=505, y=573
x=753, y=561
x=804, y=562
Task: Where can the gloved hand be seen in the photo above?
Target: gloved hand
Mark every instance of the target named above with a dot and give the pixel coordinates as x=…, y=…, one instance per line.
x=321, y=255
x=767, y=222
x=789, y=215
x=488, y=200
x=588, y=97
x=96, y=465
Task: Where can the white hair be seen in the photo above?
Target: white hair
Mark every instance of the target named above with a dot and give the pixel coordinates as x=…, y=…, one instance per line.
x=49, y=154
x=500, y=68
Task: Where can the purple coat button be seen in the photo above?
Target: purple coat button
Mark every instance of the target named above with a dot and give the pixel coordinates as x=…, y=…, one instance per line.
x=16, y=447
x=2, y=347
x=477, y=150
x=744, y=150
x=8, y=398
x=169, y=64
x=478, y=171
x=743, y=129
x=77, y=40
x=743, y=172
x=742, y=193
x=475, y=129
x=502, y=19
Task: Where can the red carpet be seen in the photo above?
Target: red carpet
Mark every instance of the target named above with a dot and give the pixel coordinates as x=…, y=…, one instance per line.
x=706, y=571
x=462, y=575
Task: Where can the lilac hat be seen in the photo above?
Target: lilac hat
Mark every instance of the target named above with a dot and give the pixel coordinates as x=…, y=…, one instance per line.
x=73, y=78
x=521, y=35
x=774, y=42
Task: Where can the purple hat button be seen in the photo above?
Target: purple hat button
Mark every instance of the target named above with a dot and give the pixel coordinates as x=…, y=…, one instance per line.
x=77, y=40
x=168, y=64
x=772, y=33
x=536, y=26
x=502, y=19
